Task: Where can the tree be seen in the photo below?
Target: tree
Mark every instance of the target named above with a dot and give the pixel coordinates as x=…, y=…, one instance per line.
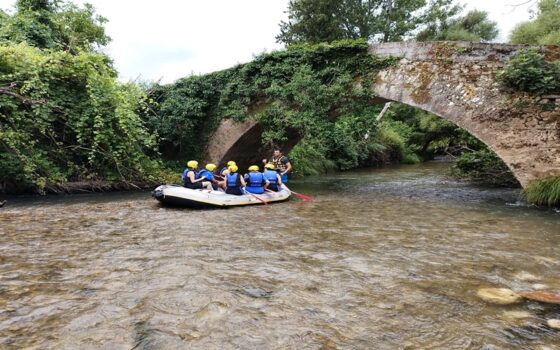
x=316, y=21
x=543, y=30
x=52, y=24
x=63, y=114
x=474, y=26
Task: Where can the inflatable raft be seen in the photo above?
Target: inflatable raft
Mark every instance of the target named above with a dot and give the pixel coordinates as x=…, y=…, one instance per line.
x=185, y=197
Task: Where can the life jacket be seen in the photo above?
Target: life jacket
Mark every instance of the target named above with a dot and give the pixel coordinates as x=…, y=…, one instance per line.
x=256, y=179
x=270, y=175
x=186, y=179
x=233, y=180
x=207, y=173
x=278, y=164
x=222, y=171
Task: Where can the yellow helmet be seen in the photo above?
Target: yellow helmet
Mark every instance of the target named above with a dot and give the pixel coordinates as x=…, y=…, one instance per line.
x=269, y=166
x=192, y=164
x=210, y=167
x=233, y=168
x=254, y=168
x=230, y=163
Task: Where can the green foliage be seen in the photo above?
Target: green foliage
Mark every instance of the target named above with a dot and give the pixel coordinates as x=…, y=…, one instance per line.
x=314, y=21
x=543, y=30
x=474, y=26
x=410, y=135
x=397, y=136
x=529, y=71
x=301, y=89
x=184, y=110
x=484, y=167
x=309, y=157
x=544, y=192
x=55, y=25
x=425, y=134
x=64, y=118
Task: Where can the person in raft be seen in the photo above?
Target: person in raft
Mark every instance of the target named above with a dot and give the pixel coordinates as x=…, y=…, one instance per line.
x=274, y=179
x=255, y=180
x=190, y=177
x=225, y=170
x=281, y=164
x=221, y=176
x=234, y=181
x=208, y=174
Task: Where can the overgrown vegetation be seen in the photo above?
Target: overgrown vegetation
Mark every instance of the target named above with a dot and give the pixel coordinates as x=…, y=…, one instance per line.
x=529, y=71
x=414, y=135
x=303, y=88
x=484, y=167
x=544, y=192
x=63, y=115
x=406, y=134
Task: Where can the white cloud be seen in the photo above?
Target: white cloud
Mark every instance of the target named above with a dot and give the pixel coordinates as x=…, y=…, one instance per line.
x=504, y=12
x=170, y=39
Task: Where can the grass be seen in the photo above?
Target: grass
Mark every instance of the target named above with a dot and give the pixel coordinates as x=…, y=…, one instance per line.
x=544, y=192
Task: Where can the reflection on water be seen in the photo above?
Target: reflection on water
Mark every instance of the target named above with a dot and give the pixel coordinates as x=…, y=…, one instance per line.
x=382, y=259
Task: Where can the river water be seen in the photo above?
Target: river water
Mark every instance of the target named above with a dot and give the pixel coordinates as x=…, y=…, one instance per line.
x=381, y=259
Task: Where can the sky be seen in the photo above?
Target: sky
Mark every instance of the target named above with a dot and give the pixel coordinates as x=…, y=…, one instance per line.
x=168, y=39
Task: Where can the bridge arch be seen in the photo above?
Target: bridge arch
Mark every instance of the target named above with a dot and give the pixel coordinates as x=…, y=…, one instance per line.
x=457, y=82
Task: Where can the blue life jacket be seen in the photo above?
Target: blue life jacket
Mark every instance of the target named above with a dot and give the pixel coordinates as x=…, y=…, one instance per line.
x=205, y=173
x=256, y=179
x=255, y=182
x=185, y=178
x=270, y=175
x=232, y=180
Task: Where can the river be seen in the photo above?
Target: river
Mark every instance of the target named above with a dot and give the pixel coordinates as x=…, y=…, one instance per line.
x=381, y=259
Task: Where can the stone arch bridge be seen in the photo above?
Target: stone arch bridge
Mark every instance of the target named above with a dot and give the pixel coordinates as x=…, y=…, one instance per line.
x=457, y=82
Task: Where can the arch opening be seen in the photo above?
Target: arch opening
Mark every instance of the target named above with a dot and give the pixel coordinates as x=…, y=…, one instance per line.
x=249, y=149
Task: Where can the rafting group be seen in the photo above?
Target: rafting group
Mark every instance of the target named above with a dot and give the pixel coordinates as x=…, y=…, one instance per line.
x=228, y=179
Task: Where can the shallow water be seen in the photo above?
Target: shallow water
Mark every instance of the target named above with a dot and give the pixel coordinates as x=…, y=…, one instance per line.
x=381, y=259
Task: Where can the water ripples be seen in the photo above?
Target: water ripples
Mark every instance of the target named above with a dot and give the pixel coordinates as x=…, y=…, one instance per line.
x=388, y=259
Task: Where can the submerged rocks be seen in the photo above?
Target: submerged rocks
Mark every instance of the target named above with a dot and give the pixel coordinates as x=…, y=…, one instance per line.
x=539, y=286
x=526, y=276
x=255, y=292
x=553, y=323
x=499, y=296
x=517, y=315
x=543, y=297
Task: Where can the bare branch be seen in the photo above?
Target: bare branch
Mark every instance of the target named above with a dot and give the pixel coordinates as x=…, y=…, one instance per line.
x=524, y=3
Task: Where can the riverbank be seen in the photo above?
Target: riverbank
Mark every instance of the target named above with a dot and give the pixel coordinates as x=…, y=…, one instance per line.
x=89, y=187
x=80, y=187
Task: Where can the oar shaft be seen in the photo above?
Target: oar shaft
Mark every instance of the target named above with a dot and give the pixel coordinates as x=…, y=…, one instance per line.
x=253, y=195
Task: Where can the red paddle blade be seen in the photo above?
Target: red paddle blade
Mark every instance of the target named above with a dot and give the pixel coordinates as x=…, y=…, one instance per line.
x=303, y=197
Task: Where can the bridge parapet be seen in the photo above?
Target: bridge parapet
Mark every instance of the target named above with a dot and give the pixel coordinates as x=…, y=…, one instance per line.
x=459, y=51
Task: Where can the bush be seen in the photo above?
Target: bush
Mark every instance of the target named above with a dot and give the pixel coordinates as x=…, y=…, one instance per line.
x=65, y=117
x=484, y=167
x=529, y=71
x=309, y=158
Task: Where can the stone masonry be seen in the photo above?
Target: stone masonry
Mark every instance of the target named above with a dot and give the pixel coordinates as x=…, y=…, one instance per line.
x=456, y=81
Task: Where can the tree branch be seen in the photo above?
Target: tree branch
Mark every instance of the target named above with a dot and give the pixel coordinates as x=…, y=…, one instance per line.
x=383, y=111
x=27, y=101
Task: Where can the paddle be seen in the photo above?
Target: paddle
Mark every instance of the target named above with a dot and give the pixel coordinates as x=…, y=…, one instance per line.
x=303, y=197
x=260, y=199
